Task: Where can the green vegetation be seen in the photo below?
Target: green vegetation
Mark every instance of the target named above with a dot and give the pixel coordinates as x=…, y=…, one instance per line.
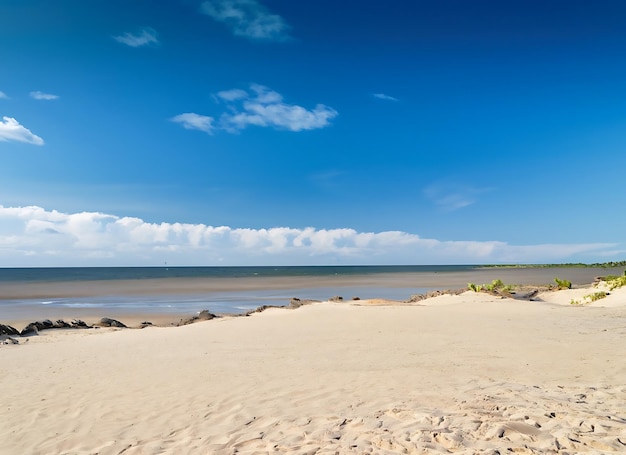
x=616, y=282
x=563, y=284
x=596, y=296
x=604, y=265
x=590, y=298
x=612, y=281
x=496, y=286
x=608, y=278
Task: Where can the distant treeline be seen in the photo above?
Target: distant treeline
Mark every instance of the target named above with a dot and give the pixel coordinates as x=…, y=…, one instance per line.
x=610, y=264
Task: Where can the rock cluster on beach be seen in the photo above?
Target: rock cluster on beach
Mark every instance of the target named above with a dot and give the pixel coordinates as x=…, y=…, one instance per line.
x=7, y=332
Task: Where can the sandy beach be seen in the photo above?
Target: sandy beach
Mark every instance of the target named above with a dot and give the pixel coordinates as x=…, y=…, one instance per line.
x=469, y=373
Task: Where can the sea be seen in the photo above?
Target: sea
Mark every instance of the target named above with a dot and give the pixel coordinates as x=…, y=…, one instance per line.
x=231, y=301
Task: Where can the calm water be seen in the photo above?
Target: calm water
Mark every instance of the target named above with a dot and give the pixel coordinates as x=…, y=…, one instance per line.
x=139, y=273
x=347, y=281
x=220, y=302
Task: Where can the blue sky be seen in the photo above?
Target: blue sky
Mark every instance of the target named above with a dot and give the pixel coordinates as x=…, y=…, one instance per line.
x=235, y=132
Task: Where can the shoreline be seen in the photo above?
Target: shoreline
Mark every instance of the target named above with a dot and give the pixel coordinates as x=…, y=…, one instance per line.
x=21, y=302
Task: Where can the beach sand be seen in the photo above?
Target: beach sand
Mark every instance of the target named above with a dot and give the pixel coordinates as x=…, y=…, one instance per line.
x=469, y=373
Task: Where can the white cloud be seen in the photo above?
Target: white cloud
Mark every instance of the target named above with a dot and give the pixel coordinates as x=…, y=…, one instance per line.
x=232, y=95
x=33, y=236
x=3, y=96
x=382, y=96
x=43, y=96
x=266, y=108
x=144, y=37
x=247, y=18
x=450, y=196
x=11, y=130
x=193, y=121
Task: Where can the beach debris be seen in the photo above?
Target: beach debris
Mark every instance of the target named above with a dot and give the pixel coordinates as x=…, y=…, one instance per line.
x=204, y=315
x=108, y=322
x=336, y=298
x=528, y=296
x=145, y=324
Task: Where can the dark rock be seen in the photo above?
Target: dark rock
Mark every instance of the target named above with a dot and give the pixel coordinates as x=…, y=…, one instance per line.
x=336, y=298
x=356, y=298
x=203, y=315
x=30, y=329
x=35, y=327
x=108, y=322
x=261, y=309
x=78, y=324
x=8, y=330
x=428, y=295
x=297, y=303
x=206, y=315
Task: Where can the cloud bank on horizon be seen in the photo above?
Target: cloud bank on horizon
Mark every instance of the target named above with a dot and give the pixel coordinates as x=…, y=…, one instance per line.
x=34, y=236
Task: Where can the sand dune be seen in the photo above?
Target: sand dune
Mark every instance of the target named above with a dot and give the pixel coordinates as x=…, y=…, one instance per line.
x=470, y=373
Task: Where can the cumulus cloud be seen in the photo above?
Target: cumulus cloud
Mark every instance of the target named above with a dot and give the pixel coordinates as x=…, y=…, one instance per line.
x=260, y=106
x=247, y=18
x=3, y=96
x=382, y=96
x=31, y=236
x=11, y=130
x=265, y=107
x=143, y=37
x=192, y=121
x=43, y=96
